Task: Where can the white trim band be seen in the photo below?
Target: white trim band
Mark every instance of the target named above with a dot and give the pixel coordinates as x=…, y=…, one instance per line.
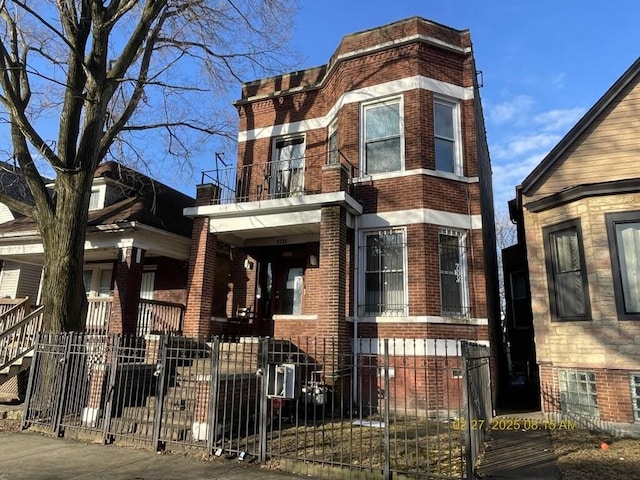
x=435, y=347
x=381, y=90
x=419, y=216
x=423, y=319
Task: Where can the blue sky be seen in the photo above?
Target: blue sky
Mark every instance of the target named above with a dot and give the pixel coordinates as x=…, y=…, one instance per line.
x=544, y=63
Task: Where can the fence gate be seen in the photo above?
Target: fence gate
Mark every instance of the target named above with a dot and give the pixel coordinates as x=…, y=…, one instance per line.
x=478, y=407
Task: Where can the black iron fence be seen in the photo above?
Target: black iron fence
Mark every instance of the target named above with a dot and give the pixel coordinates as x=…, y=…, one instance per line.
x=478, y=405
x=386, y=407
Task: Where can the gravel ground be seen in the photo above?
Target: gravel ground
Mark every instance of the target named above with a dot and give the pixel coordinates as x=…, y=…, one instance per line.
x=10, y=426
x=581, y=456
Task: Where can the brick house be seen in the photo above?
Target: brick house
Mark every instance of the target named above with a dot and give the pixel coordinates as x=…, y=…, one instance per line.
x=579, y=229
x=136, y=250
x=360, y=205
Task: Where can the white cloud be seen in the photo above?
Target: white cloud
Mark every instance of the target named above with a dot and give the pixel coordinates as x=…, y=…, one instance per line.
x=524, y=135
x=557, y=81
x=507, y=175
x=508, y=111
x=523, y=144
x=560, y=119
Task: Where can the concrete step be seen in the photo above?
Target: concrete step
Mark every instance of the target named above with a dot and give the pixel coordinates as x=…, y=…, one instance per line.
x=15, y=368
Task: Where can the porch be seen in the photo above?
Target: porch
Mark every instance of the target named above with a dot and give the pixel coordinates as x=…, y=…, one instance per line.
x=154, y=316
x=286, y=225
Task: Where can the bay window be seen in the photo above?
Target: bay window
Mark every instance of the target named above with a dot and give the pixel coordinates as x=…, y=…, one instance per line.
x=624, y=245
x=382, y=137
x=447, y=136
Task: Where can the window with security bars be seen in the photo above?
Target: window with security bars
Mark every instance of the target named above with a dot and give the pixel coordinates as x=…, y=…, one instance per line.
x=384, y=273
x=634, y=381
x=454, y=295
x=578, y=393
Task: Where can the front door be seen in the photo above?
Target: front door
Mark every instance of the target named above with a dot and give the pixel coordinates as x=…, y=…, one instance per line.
x=288, y=289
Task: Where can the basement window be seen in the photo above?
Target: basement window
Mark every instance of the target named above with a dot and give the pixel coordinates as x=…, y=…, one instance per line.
x=578, y=393
x=634, y=381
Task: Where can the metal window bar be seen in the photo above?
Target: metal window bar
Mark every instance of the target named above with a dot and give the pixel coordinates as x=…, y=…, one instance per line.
x=384, y=252
x=454, y=283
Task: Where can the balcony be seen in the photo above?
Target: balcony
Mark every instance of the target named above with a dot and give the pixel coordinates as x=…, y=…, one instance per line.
x=277, y=202
x=287, y=178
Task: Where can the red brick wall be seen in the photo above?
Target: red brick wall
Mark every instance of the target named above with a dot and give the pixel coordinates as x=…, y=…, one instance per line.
x=612, y=386
x=445, y=65
x=170, y=283
x=423, y=330
x=126, y=292
x=416, y=384
x=201, y=281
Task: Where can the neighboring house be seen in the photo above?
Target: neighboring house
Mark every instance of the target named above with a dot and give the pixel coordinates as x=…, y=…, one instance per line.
x=136, y=250
x=17, y=280
x=360, y=206
x=579, y=214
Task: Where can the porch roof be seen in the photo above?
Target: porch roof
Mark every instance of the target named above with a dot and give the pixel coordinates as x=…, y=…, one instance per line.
x=297, y=218
x=103, y=242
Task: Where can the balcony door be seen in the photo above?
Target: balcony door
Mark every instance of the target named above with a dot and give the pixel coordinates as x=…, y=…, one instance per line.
x=287, y=168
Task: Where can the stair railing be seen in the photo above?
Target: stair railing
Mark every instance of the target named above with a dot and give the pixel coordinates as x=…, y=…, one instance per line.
x=14, y=314
x=18, y=340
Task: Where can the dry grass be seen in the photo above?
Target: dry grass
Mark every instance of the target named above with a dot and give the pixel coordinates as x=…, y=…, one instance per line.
x=580, y=456
x=418, y=446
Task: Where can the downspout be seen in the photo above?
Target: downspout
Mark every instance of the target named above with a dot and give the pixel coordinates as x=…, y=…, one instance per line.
x=356, y=283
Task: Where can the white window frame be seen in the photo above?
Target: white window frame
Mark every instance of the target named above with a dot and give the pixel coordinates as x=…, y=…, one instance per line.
x=463, y=273
x=363, y=269
x=101, y=191
x=333, y=156
x=457, y=133
x=364, y=107
x=96, y=272
x=274, y=161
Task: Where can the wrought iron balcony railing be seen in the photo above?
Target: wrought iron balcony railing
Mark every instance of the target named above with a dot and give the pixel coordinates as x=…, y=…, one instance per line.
x=284, y=178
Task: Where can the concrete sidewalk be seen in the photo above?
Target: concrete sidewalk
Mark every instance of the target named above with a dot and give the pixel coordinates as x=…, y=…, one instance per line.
x=519, y=453
x=31, y=456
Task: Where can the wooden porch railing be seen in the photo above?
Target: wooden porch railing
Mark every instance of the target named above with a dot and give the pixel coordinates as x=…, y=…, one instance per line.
x=98, y=314
x=153, y=316
x=13, y=311
x=157, y=316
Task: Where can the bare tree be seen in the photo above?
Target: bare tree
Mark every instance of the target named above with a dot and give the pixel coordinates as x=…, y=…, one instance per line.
x=111, y=71
x=506, y=235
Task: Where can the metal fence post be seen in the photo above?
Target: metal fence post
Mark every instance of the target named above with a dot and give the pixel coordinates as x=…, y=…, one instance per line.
x=467, y=406
x=111, y=388
x=30, y=384
x=60, y=400
x=162, y=372
x=264, y=404
x=214, y=380
x=387, y=427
